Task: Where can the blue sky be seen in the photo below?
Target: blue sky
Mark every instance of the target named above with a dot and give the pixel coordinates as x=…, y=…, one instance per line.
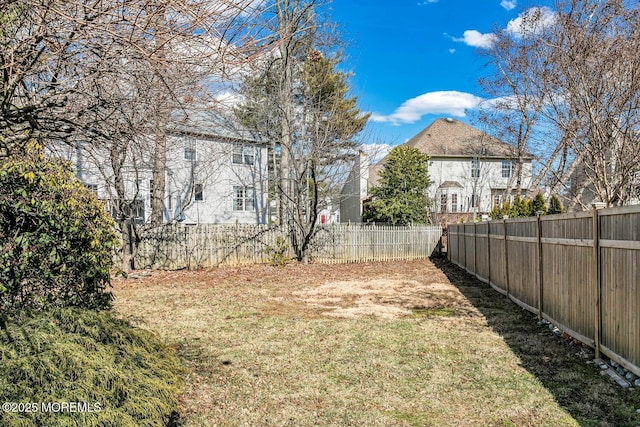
x=416, y=60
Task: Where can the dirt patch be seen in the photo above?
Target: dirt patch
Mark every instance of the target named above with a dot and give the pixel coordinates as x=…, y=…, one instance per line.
x=385, y=290
x=386, y=297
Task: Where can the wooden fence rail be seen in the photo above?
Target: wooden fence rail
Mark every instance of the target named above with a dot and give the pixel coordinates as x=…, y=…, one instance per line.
x=579, y=271
x=207, y=245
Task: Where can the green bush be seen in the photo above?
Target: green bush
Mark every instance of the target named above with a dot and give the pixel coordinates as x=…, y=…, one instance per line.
x=538, y=204
x=56, y=238
x=555, y=206
x=522, y=207
x=123, y=375
x=278, y=254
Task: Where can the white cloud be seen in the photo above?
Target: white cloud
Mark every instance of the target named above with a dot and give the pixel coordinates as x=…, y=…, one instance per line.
x=509, y=4
x=422, y=3
x=376, y=151
x=452, y=50
x=442, y=102
x=532, y=21
x=476, y=39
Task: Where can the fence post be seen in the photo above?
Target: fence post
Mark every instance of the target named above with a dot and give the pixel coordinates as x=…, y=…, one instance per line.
x=464, y=240
x=448, y=243
x=506, y=256
x=489, y=252
x=597, y=279
x=540, y=281
x=186, y=248
x=475, y=249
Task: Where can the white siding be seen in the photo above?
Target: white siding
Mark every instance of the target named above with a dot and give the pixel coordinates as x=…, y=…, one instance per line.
x=212, y=167
x=458, y=170
x=215, y=170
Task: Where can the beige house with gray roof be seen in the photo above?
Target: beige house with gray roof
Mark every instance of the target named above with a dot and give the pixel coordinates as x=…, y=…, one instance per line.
x=470, y=171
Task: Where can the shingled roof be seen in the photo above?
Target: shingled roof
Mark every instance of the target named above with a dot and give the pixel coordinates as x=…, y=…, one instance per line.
x=452, y=138
x=209, y=123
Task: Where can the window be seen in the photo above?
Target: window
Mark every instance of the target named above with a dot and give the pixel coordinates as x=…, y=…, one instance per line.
x=236, y=157
x=243, y=199
x=150, y=191
x=475, y=200
x=454, y=203
x=189, y=149
x=497, y=200
x=133, y=209
x=198, y=194
x=137, y=209
x=93, y=188
x=475, y=168
x=443, y=203
x=507, y=167
x=243, y=154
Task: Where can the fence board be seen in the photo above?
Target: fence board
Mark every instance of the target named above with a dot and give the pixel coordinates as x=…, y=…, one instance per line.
x=469, y=243
x=482, y=251
x=498, y=256
x=620, y=300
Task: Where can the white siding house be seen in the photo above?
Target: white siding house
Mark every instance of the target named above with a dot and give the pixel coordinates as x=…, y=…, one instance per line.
x=470, y=171
x=215, y=173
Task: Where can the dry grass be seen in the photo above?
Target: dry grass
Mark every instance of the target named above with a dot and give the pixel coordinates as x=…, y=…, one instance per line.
x=380, y=344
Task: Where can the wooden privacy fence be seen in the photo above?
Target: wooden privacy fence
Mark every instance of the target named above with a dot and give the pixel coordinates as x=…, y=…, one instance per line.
x=579, y=271
x=207, y=245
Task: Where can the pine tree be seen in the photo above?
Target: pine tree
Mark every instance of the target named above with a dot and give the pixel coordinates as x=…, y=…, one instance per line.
x=555, y=206
x=538, y=205
x=520, y=207
x=496, y=212
x=401, y=196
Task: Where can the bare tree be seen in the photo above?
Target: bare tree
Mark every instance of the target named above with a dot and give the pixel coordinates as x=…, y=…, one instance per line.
x=514, y=108
x=576, y=73
x=598, y=110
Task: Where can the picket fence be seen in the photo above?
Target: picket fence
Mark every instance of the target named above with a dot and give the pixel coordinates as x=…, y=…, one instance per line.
x=208, y=245
x=579, y=271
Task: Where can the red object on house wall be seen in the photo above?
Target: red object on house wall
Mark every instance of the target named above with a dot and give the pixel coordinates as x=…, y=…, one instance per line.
x=323, y=219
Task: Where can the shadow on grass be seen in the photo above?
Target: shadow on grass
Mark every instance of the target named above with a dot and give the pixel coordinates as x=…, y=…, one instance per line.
x=564, y=367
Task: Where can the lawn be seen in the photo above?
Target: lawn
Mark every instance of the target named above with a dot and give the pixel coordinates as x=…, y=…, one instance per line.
x=377, y=344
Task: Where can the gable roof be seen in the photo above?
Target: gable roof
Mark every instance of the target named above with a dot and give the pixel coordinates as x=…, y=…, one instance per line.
x=209, y=123
x=452, y=138
x=451, y=184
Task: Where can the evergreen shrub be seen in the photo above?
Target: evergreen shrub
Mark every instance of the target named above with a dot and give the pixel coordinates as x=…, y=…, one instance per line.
x=118, y=375
x=56, y=238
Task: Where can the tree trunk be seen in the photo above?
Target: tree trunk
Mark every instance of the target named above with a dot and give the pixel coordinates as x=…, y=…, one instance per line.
x=159, y=177
x=160, y=147
x=118, y=157
x=287, y=113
